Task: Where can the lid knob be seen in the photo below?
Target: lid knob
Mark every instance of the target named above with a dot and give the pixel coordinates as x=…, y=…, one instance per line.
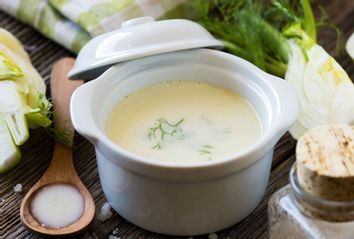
x=137, y=21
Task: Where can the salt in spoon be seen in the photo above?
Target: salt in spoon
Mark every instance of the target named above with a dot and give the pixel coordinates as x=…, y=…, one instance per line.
x=61, y=169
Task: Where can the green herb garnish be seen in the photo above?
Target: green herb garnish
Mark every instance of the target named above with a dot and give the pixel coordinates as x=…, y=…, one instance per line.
x=62, y=134
x=162, y=128
x=205, y=149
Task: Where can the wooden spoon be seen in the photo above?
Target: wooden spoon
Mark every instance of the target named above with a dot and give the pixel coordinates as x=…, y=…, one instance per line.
x=61, y=168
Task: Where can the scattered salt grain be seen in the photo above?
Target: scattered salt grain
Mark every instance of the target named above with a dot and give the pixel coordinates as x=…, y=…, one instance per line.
x=213, y=236
x=18, y=188
x=115, y=231
x=105, y=212
x=113, y=237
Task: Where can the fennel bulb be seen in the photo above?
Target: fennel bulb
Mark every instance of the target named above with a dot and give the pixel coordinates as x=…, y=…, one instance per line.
x=12, y=111
x=22, y=99
x=325, y=91
x=9, y=154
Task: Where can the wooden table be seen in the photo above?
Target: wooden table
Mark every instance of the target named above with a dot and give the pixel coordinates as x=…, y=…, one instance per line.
x=38, y=150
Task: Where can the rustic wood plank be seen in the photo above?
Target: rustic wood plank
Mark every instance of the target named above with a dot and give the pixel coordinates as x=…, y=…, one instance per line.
x=37, y=151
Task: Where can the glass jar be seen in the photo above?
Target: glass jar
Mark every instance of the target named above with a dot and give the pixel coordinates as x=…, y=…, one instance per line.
x=295, y=213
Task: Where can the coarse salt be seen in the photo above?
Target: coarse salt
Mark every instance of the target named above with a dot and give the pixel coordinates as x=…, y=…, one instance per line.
x=113, y=237
x=57, y=205
x=105, y=212
x=115, y=231
x=213, y=236
x=18, y=188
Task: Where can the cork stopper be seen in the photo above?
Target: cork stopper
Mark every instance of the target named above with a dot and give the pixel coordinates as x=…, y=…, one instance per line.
x=325, y=162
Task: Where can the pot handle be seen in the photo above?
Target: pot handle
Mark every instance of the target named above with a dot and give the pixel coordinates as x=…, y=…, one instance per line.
x=287, y=110
x=80, y=111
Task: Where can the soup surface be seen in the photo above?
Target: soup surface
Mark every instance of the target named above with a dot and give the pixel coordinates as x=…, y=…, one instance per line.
x=183, y=121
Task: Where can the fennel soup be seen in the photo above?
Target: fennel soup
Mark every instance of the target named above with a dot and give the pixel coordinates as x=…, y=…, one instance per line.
x=183, y=121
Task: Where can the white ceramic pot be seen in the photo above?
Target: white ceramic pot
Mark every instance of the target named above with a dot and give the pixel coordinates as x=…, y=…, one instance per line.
x=173, y=198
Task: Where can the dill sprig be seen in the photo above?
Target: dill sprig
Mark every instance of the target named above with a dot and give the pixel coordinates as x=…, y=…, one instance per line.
x=254, y=29
x=205, y=149
x=61, y=134
x=162, y=128
x=43, y=115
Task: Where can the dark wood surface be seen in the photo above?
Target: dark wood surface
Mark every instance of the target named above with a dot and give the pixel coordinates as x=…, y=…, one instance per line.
x=37, y=152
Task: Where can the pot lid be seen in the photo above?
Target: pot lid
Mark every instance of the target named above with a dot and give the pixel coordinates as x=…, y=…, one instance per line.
x=139, y=37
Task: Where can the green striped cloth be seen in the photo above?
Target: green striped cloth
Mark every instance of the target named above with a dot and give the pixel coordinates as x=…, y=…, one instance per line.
x=72, y=23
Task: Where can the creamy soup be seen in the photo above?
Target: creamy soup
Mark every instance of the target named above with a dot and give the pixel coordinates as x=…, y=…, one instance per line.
x=183, y=121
